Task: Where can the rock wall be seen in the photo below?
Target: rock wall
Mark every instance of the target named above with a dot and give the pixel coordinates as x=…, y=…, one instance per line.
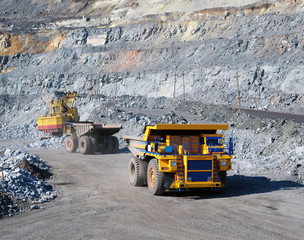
x=129, y=47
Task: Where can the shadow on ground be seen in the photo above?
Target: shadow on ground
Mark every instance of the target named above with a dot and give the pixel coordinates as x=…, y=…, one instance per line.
x=239, y=185
x=121, y=150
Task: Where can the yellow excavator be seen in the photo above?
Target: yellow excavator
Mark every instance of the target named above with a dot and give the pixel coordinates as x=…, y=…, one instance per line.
x=62, y=112
x=88, y=137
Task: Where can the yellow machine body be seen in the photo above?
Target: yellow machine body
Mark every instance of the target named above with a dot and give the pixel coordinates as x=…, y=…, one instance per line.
x=195, y=154
x=62, y=111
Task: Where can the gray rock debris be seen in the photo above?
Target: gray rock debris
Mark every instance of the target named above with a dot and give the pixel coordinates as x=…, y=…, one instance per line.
x=54, y=142
x=22, y=184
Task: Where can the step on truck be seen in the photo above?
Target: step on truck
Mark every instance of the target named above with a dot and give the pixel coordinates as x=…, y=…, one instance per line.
x=88, y=137
x=180, y=156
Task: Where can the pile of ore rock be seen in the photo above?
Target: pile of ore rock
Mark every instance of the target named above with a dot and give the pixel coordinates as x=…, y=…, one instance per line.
x=23, y=182
x=54, y=142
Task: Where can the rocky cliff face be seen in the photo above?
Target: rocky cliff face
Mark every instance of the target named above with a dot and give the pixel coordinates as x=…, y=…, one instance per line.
x=145, y=48
x=128, y=61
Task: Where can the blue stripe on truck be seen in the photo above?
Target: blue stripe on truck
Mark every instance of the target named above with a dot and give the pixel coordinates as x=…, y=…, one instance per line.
x=199, y=176
x=199, y=164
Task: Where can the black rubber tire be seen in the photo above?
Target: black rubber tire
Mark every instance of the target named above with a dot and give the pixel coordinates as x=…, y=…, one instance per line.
x=84, y=145
x=101, y=145
x=137, y=172
x=71, y=144
x=155, y=178
x=115, y=144
x=93, y=145
x=223, y=177
x=109, y=145
x=143, y=165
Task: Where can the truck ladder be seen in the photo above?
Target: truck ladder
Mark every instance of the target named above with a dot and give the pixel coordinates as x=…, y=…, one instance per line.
x=215, y=170
x=180, y=169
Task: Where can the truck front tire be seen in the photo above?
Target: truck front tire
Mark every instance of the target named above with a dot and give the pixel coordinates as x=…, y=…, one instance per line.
x=155, y=178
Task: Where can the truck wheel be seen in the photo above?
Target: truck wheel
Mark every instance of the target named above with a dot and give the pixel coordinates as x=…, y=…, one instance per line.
x=143, y=166
x=85, y=145
x=137, y=172
x=71, y=144
x=101, y=145
x=109, y=145
x=115, y=144
x=93, y=145
x=223, y=177
x=155, y=178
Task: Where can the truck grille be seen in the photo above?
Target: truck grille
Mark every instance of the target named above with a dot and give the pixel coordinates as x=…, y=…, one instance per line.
x=195, y=167
x=199, y=164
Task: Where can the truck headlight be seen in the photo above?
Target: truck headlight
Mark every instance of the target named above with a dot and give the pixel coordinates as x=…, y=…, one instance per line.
x=173, y=163
x=223, y=163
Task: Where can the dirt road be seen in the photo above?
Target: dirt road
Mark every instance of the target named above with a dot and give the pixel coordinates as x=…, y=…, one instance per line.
x=96, y=202
x=275, y=115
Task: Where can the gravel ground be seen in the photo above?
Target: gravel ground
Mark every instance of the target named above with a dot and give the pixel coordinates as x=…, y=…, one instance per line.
x=95, y=201
x=128, y=66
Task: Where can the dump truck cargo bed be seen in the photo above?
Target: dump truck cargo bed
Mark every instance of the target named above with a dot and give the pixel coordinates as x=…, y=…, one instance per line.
x=100, y=128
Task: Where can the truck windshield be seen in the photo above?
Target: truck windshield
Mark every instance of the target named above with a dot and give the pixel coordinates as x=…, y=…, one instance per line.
x=214, y=141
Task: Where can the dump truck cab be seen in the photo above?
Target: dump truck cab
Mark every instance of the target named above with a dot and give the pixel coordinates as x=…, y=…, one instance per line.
x=180, y=156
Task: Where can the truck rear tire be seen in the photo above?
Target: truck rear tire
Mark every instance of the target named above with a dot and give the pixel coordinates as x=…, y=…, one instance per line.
x=71, y=144
x=101, y=145
x=137, y=172
x=115, y=144
x=85, y=145
x=155, y=178
x=93, y=145
x=109, y=145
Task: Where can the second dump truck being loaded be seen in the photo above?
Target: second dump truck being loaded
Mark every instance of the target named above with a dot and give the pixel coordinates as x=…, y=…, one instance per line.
x=180, y=156
x=88, y=137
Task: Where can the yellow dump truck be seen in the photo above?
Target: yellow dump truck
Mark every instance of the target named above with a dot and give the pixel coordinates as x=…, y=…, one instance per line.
x=88, y=137
x=180, y=156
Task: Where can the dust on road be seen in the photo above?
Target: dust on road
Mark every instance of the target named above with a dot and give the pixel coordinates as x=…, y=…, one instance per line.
x=95, y=201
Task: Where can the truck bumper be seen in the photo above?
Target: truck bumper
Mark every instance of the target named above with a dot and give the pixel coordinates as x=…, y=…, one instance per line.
x=177, y=185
